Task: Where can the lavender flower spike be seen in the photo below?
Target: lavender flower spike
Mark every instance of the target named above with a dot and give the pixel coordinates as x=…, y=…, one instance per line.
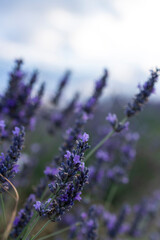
x=8, y=166
x=62, y=84
x=68, y=184
x=89, y=225
x=23, y=217
x=142, y=96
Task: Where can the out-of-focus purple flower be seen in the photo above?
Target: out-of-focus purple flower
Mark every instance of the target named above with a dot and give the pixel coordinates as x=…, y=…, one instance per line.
x=116, y=125
x=17, y=104
x=85, y=137
x=62, y=84
x=89, y=225
x=112, y=118
x=103, y=155
x=16, y=131
x=2, y=124
x=8, y=166
x=23, y=217
x=78, y=197
x=142, y=96
x=37, y=205
x=50, y=171
x=116, y=227
x=67, y=155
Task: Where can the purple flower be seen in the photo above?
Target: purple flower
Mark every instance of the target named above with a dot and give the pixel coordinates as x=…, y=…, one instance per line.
x=144, y=92
x=76, y=159
x=112, y=118
x=62, y=84
x=67, y=155
x=78, y=197
x=16, y=131
x=17, y=104
x=83, y=215
x=2, y=124
x=85, y=137
x=8, y=163
x=102, y=155
x=50, y=171
x=16, y=168
x=89, y=225
x=37, y=205
x=117, y=126
x=23, y=217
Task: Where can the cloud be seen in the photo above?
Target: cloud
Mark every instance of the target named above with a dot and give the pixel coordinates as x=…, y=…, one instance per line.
x=85, y=36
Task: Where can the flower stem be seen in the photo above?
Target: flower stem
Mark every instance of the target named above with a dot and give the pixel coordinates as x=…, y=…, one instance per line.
x=31, y=228
x=59, y=232
x=111, y=196
x=41, y=230
x=3, y=208
x=110, y=134
x=33, y=217
x=99, y=145
x=27, y=226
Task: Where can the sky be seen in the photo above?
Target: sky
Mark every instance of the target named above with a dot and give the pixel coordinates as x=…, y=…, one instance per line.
x=84, y=36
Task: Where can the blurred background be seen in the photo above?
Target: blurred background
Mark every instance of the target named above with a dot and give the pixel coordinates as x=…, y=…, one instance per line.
x=83, y=36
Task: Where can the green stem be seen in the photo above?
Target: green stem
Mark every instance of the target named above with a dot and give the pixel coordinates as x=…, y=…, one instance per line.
x=41, y=230
x=102, y=141
x=59, y=232
x=31, y=228
x=27, y=226
x=111, y=196
x=33, y=217
x=99, y=145
x=3, y=208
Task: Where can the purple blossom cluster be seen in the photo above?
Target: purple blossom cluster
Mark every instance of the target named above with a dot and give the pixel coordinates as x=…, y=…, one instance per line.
x=145, y=91
x=17, y=105
x=58, y=119
x=89, y=225
x=63, y=82
x=113, y=162
x=128, y=222
x=23, y=217
x=68, y=184
x=8, y=162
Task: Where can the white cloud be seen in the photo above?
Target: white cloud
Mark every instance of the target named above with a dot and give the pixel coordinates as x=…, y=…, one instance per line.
x=88, y=41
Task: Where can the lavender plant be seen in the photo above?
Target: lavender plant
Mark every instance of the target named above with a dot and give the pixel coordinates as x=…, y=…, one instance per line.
x=59, y=119
x=64, y=185
x=17, y=105
x=63, y=82
x=23, y=217
x=8, y=162
x=68, y=184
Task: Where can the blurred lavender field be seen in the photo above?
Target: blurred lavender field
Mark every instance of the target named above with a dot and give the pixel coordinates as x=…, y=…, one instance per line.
x=122, y=165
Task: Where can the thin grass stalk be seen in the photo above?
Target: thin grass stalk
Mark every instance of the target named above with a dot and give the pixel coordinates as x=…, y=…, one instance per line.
x=3, y=209
x=9, y=226
x=59, y=232
x=41, y=230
